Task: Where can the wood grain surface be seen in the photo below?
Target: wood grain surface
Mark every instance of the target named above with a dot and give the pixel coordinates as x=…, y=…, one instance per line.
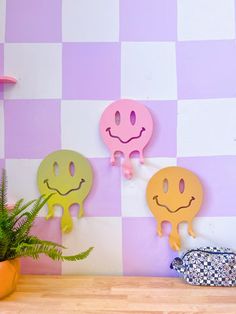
x=85, y=294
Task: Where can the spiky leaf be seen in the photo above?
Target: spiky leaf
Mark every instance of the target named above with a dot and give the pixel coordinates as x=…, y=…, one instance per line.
x=15, y=226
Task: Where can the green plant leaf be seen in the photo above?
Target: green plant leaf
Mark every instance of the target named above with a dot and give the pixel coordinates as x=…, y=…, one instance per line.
x=3, y=192
x=77, y=257
x=15, y=226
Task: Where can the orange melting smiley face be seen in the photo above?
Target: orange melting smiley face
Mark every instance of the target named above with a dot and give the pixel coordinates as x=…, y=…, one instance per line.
x=174, y=194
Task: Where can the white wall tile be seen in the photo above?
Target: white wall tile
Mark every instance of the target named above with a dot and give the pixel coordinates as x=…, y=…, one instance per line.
x=148, y=70
x=2, y=136
x=206, y=127
x=37, y=67
x=105, y=235
x=210, y=231
x=22, y=179
x=206, y=19
x=90, y=20
x=80, y=127
x=133, y=192
x=2, y=20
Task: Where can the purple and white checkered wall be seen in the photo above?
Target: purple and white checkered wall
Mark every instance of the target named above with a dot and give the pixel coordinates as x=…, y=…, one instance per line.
x=71, y=59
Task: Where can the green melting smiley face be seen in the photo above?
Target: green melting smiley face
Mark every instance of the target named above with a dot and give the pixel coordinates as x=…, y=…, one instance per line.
x=69, y=176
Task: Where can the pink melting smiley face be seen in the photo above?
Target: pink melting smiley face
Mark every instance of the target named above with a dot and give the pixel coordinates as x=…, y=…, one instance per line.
x=126, y=126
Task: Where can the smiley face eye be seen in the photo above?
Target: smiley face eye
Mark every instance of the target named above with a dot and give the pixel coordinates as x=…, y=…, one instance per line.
x=181, y=185
x=117, y=118
x=56, y=168
x=132, y=118
x=165, y=185
x=72, y=168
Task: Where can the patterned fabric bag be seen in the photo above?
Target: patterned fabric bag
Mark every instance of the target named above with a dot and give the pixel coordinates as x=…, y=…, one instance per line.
x=207, y=266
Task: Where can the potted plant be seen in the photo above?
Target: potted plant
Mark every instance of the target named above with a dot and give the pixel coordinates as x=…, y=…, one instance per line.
x=16, y=240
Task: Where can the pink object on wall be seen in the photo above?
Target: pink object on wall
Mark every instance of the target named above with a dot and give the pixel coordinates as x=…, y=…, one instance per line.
x=7, y=79
x=10, y=206
x=126, y=126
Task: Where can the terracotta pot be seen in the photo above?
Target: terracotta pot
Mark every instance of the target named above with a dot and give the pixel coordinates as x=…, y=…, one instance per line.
x=9, y=275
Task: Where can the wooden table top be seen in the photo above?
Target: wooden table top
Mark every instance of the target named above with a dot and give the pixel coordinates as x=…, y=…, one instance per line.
x=91, y=294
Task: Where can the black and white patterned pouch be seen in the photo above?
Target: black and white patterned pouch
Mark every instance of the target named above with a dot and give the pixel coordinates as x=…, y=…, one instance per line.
x=207, y=266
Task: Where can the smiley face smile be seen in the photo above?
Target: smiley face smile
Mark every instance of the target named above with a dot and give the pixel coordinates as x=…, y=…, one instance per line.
x=63, y=194
x=125, y=142
x=173, y=211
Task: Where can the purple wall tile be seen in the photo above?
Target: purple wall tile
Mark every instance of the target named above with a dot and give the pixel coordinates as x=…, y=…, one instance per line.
x=33, y=21
x=148, y=20
x=32, y=128
x=1, y=59
x=91, y=71
x=218, y=176
x=144, y=253
x=206, y=69
x=1, y=68
x=104, y=199
x=163, y=141
x=46, y=230
x=1, y=91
